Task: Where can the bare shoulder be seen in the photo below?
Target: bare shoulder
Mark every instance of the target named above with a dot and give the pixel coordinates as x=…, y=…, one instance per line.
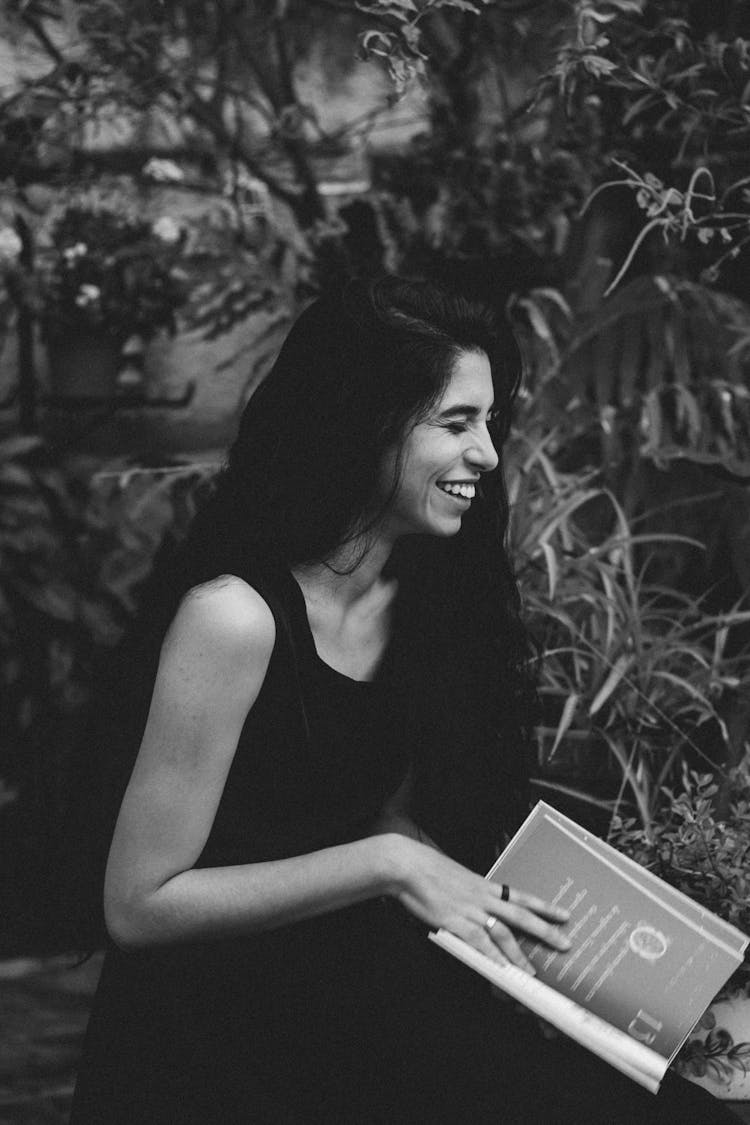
x=224, y=617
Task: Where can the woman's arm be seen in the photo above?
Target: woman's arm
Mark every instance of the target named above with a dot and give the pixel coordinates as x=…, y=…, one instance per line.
x=213, y=663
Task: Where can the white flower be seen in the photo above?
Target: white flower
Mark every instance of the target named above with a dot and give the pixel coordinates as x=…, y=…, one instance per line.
x=167, y=229
x=164, y=171
x=10, y=245
x=87, y=294
x=70, y=253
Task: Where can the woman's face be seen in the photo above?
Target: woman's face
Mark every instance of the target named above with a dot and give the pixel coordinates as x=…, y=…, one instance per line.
x=444, y=455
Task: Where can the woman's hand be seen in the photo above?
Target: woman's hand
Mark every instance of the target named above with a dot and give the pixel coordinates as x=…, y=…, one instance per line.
x=443, y=893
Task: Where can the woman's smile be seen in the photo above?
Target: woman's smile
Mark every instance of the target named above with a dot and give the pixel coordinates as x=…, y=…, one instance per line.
x=446, y=452
x=458, y=490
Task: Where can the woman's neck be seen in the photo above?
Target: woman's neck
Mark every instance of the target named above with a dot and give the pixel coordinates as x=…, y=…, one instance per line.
x=349, y=610
x=347, y=577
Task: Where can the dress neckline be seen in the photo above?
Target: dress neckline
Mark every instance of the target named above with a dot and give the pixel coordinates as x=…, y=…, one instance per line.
x=312, y=648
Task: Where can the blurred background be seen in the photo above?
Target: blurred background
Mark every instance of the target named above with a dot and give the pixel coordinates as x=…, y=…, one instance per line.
x=178, y=178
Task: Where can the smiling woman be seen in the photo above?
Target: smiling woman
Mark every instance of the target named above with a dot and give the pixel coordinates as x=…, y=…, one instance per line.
x=324, y=715
x=447, y=451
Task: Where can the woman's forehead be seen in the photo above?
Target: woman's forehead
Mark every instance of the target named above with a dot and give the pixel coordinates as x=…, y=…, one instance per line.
x=470, y=383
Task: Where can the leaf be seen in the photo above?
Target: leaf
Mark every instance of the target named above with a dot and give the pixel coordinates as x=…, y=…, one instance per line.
x=558, y=522
x=598, y=66
x=566, y=719
x=619, y=669
x=684, y=685
x=610, y=603
x=687, y=409
x=651, y=425
x=539, y=324
x=629, y=7
x=19, y=446
x=377, y=42
x=638, y=105
x=55, y=599
x=570, y=791
x=600, y=17
x=15, y=475
x=556, y=297
x=551, y=560
x=459, y=5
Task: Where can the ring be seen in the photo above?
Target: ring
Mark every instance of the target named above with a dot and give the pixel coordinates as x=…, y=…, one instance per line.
x=505, y=892
x=491, y=919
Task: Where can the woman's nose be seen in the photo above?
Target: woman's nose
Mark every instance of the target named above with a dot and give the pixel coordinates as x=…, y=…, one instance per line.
x=482, y=453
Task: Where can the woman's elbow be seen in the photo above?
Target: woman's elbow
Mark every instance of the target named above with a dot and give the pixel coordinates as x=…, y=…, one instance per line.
x=128, y=919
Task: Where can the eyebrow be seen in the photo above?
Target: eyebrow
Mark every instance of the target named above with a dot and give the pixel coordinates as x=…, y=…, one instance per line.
x=464, y=410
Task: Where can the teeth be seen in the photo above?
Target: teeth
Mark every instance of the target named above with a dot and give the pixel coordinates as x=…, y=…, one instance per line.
x=468, y=491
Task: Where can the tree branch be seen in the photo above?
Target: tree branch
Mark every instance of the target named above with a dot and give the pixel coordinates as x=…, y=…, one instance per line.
x=38, y=31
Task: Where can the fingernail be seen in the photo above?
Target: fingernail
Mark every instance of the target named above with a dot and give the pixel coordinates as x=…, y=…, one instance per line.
x=564, y=914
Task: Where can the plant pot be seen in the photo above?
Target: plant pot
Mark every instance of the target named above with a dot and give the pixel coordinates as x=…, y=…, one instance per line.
x=83, y=364
x=718, y=1058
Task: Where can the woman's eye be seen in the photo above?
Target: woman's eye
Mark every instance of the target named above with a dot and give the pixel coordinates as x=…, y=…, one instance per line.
x=456, y=427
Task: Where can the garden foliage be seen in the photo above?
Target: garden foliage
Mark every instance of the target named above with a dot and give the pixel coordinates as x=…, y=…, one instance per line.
x=582, y=164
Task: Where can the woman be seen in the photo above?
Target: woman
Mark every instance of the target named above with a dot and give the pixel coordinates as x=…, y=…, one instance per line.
x=333, y=750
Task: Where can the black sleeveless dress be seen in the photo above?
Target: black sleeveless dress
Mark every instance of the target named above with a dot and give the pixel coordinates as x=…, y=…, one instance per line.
x=353, y=1017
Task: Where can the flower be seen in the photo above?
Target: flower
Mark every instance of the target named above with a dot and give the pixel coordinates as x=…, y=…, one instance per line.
x=164, y=171
x=167, y=229
x=109, y=273
x=70, y=253
x=87, y=294
x=10, y=246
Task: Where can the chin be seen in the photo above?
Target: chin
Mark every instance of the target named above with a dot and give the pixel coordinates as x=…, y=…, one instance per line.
x=444, y=530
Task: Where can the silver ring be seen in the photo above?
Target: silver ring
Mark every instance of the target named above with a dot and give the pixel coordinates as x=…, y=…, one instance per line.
x=491, y=919
x=505, y=892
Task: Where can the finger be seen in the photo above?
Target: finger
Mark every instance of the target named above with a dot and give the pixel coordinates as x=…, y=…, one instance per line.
x=502, y=949
x=481, y=939
x=533, y=902
x=519, y=918
x=505, y=941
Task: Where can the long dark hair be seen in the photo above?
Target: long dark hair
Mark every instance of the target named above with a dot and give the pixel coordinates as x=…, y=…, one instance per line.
x=360, y=366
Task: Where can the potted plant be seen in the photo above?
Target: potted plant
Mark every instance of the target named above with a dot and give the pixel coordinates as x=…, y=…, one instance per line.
x=108, y=284
x=637, y=684
x=705, y=852
x=636, y=678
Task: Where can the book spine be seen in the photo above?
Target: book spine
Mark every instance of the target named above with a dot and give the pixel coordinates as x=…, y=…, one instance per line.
x=629, y=1056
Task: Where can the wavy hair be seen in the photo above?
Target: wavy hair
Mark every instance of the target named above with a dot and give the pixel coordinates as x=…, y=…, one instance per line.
x=361, y=366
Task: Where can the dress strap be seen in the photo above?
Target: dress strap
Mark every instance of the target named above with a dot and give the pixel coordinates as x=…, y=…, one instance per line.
x=284, y=598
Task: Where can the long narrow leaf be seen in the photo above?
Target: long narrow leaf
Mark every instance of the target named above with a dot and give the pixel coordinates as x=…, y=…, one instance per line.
x=566, y=719
x=619, y=669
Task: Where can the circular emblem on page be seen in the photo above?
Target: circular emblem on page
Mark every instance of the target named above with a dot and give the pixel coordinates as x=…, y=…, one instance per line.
x=648, y=942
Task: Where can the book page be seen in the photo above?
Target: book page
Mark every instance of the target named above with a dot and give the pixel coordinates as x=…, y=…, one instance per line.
x=646, y=960
x=615, y=1047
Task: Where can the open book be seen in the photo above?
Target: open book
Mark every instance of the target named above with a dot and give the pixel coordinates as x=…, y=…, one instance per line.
x=645, y=960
